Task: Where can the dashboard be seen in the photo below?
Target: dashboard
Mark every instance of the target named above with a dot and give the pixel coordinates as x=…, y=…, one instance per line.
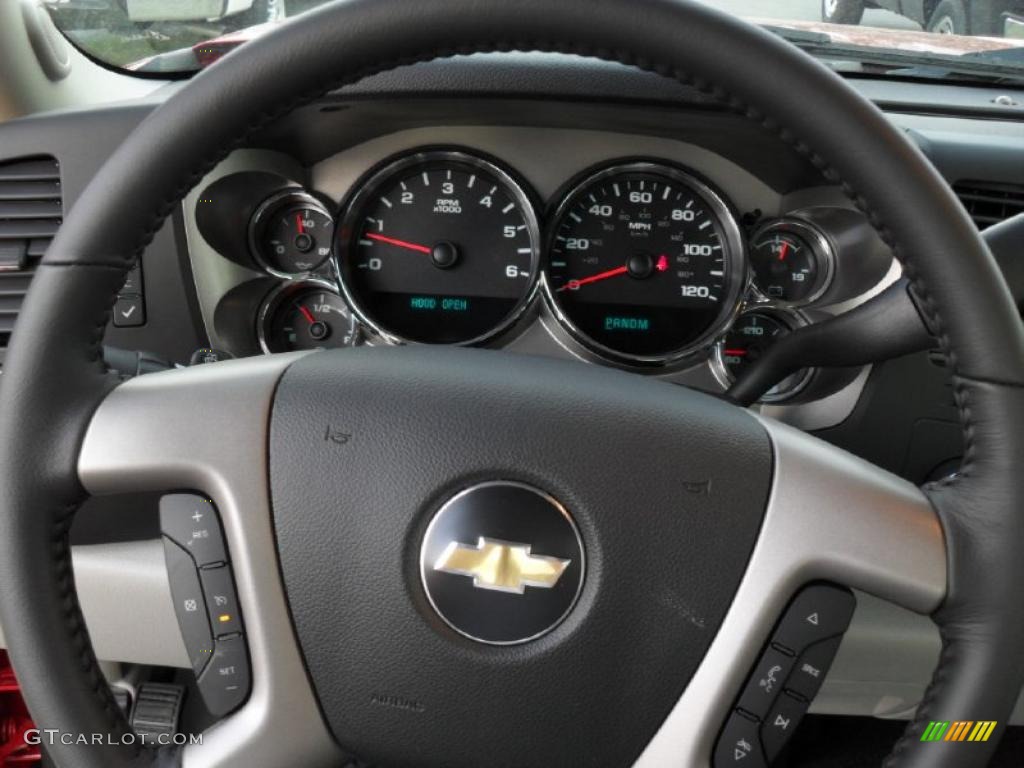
x=628, y=250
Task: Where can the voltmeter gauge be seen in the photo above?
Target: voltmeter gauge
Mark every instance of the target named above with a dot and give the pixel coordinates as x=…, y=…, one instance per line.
x=750, y=337
x=291, y=234
x=792, y=262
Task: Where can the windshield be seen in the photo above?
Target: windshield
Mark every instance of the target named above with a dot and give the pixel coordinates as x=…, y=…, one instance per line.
x=930, y=38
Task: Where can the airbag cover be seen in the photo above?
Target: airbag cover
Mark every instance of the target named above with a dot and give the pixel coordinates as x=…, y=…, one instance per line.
x=667, y=487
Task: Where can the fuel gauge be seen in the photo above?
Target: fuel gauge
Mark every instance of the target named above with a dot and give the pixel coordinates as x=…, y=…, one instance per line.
x=306, y=315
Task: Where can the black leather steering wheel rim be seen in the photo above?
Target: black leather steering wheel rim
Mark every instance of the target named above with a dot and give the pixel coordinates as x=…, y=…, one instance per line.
x=54, y=378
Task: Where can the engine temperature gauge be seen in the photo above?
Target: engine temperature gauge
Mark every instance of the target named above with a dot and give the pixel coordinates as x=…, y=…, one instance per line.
x=306, y=316
x=792, y=262
x=291, y=234
x=747, y=341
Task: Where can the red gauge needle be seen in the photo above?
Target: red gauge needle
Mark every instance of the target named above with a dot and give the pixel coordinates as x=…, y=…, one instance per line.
x=307, y=314
x=735, y=353
x=572, y=285
x=298, y=223
x=399, y=243
x=783, y=251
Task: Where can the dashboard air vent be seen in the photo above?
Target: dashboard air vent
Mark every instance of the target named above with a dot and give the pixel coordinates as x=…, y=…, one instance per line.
x=31, y=209
x=990, y=202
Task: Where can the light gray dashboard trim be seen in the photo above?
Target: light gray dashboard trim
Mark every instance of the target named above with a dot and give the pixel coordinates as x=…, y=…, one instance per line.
x=212, y=274
x=830, y=516
x=126, y=601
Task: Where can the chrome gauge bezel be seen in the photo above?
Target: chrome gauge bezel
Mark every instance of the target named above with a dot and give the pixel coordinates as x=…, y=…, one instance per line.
x=277, y=201
x=367, y=186
x=792, y=319
x=821, y=248
x=735, y=243
x=280, y=293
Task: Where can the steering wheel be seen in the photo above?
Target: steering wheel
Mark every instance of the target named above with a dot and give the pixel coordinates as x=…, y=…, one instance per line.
x=698, y=520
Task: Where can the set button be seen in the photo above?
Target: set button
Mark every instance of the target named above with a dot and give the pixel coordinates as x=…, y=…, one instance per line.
x=225, y=682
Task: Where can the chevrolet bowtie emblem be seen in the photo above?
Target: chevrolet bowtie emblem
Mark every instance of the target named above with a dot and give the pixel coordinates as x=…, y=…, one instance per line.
x=501, y=565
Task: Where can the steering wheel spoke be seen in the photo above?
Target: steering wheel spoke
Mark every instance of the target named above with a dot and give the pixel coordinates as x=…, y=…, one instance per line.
x=206, y=429
x=830, y=517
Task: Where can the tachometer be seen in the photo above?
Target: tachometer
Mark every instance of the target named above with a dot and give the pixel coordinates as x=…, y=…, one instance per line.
x=439, y=247
x=645, y=263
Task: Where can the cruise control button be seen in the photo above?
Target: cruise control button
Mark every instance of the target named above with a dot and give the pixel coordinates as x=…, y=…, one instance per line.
x=781, y=724
x=219, y=590
x=739, y=744
x=818, y=612
x=810, y=669
x=766, y=682
x=189, y=605
x=191, y=521
x=225, y=683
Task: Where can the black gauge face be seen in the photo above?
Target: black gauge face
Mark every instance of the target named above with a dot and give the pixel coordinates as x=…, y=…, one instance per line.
x=790, y=263
x=307, y=317
x=747, y=341
x=439, y=248
x=644, y=263
x=291, y=235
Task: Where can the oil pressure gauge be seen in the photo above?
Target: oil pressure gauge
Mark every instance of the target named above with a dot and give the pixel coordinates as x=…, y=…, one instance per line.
x=290, y=234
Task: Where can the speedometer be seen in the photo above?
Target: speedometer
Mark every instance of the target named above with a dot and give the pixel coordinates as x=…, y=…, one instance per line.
x=645, y=263
x=439, y=247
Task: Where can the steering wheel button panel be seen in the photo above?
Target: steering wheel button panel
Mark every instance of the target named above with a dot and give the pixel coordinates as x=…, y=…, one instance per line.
x=766, y=682
x=191, y=521
x=204, y=596
x=225, y=683
x=818, y=612
x=740, y=744
x=781, y=724
x=221, y=601
x=793, y=666
x=189, y=605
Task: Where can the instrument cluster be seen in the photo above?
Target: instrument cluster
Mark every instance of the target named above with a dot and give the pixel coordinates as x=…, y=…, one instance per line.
x=638, y=263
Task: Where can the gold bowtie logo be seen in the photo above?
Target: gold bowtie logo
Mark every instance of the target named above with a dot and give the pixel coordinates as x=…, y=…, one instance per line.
x=501, y=565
